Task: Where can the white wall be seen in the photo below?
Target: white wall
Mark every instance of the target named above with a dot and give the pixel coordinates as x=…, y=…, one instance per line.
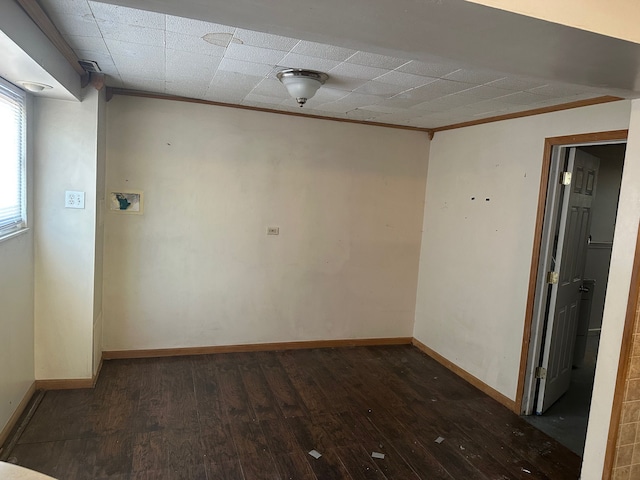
x=476, y=254
x=65, y=149
x=624, y=242
x=198, y=268
x=605, y=205
x=16, y=301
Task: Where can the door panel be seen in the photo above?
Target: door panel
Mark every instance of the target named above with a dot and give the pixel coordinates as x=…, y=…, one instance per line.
x=565, y=296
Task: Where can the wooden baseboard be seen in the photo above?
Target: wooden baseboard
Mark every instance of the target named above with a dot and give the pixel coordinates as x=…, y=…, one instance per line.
x=253, y=347
x=4, y=434
x=69, y=383
x=476, y=382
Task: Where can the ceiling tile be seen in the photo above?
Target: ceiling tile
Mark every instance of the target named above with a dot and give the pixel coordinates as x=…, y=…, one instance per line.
x=120, y=48
x=375, y=60
x=360, y=100
x=434, y=90
x=326, y=94
x=250, y=53
x=483, y=92
x=295, y=60
x=104, y=12
x=265, y=40
x=152, y=66
x=473, y=76
x=191, y=43
x=522, y=98
x=443, y=104
x=319, y=50
x=247, y=68
x=271, y=87
x=87, y=44
x=336, y=107
x=266, y=99
x=382, y=109
x=226, y=80
x=558, y=90
x=225, y=96
x=197, y=28
x=357, y=71
x=340, y=82
x=435, y=70
x=360, y=114
x=517, y=83
x=407, y=80
x=143, y=83
x=186, y=88
x=378, y=88
x=188, y=64
x=132, y=33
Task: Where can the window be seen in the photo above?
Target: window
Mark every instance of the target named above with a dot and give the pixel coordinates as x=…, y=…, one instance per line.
x=12, y=158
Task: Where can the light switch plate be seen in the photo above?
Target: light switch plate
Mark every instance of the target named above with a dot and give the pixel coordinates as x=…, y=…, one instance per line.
x=273, y=230
x=73, y=199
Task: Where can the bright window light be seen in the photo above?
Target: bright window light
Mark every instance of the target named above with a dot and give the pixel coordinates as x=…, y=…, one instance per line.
x=12, y=158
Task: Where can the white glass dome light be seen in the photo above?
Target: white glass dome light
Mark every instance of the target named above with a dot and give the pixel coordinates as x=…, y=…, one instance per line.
x=302, y=84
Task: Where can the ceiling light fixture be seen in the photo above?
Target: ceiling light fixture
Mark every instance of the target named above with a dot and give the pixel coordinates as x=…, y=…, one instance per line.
x=35, y=87
x=302, y=84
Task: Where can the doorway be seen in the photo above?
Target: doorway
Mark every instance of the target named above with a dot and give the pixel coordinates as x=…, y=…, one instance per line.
x=576, y=236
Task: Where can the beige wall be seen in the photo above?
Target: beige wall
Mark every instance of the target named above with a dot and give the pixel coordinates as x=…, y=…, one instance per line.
x=614, y=18
x=476, y=254
x=65, y=149
x=16, y=300
x=198, y=268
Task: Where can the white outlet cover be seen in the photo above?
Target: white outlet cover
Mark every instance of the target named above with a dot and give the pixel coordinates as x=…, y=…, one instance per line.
x=73, y=199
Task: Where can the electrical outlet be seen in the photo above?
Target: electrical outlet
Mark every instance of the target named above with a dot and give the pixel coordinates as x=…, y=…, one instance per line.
x=73, y=199
x=273, y=230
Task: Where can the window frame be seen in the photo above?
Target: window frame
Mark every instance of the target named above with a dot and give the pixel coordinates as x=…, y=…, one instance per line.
x=13, y=93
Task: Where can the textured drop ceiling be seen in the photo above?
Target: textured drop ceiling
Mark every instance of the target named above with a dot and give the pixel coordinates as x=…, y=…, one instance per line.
x=166, y=54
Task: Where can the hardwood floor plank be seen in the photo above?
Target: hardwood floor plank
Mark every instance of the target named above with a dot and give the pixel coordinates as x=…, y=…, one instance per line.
x=234, y=398
x=258, y=391
x=259, y=467
x=208, y=394
x=294, y=466
x=312, y=395
x=254, y=416
x=286, y=396
x=249, y=439
x=280, y=438
x=329, y=467
x=358, y=464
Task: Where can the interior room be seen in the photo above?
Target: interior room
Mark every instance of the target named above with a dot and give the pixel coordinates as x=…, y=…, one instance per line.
x=316, y=241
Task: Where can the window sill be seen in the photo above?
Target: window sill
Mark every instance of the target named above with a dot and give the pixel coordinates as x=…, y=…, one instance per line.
x=11, y=235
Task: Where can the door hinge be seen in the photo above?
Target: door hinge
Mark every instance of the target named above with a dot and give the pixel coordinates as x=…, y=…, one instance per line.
x=541, y=372
x=552, y=277
x=566, y=178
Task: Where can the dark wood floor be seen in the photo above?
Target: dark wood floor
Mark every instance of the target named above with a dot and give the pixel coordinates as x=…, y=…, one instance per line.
x=256, y=415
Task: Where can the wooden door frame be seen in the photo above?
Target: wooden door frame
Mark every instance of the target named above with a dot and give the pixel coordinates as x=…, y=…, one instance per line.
x=549, y=144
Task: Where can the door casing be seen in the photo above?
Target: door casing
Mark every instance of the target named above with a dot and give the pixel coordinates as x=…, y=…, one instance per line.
x=534, y=318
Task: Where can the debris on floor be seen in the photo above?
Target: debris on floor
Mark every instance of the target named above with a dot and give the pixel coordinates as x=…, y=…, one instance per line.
x=526, y=471
x=377, y=455
x=439, y=440
x=315, y=454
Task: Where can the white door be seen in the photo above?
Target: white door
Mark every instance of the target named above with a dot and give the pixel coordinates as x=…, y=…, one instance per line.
x=565, y=295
